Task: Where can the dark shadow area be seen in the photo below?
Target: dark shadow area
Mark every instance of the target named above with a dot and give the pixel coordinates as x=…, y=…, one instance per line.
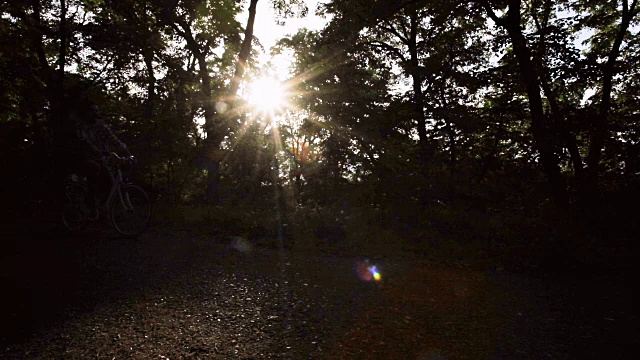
x=231, y=296
x=50, y=274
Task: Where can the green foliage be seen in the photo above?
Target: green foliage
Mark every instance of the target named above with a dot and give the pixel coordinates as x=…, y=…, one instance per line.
x=394, y=112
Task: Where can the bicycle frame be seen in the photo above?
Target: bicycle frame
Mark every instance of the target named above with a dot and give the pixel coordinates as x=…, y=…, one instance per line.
x=116, y=191
x=123, y=196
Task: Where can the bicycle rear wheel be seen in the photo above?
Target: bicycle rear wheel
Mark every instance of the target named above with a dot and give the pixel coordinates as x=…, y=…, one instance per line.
x=131, y=213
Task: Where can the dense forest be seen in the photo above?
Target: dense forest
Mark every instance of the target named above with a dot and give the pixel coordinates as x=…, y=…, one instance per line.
x=487, y=132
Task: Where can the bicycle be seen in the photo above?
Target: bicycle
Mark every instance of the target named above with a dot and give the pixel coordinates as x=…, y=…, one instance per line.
x=127, y=207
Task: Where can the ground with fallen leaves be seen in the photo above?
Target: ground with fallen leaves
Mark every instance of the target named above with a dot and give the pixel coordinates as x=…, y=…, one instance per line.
x=183, y=294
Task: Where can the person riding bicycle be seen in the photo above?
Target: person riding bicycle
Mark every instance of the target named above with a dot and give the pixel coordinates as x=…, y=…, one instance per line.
x=95, y=140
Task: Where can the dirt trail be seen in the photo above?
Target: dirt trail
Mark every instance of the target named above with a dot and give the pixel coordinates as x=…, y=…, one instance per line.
x=182, y=294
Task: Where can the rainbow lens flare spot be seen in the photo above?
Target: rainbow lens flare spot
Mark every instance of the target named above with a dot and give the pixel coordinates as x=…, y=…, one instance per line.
x=375, y=273
x=368, y=272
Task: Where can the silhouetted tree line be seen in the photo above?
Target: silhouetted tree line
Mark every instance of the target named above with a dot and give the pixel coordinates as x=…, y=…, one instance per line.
x=403, y=105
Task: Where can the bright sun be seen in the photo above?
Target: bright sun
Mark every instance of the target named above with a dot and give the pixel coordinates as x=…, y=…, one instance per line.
x=266, y=94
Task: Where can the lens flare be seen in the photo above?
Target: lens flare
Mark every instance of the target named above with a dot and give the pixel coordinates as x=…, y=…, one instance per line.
x=375, y=273
x=368, y=272
x=241, y=244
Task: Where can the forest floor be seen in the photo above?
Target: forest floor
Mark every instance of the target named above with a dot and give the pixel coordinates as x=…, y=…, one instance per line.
x=182, y=294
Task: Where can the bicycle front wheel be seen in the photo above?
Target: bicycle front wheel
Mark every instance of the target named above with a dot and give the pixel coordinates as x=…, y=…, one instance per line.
x=131, y=212
x=72, y=216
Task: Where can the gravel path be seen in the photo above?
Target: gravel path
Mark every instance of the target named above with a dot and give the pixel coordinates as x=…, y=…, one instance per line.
x=184, y=295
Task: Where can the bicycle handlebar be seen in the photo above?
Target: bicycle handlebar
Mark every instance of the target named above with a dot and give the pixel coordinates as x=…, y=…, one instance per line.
x=122, y=158
x=118, y=160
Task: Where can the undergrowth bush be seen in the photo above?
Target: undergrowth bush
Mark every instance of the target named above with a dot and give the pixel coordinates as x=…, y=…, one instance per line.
x=244, y=221
x=459, y=235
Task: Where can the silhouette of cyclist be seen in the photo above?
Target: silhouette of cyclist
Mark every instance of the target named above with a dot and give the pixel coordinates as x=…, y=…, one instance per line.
x=94, y=141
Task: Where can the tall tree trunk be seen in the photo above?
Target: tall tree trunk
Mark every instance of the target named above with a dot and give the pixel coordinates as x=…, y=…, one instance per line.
x=214, y=134
x=214, y=138
x=149, y=105
x=214, y=127
x=560, y=121
x=416, y=76
x=36, y=42
x=62, y=60
x=61, y=127
x=151, y=85
x=59, y=110
x=211, y=125
x=540, y=127
x=451, y=134
x=490, y=157
x=600, y=125
x=245, y=50
x=567, y=136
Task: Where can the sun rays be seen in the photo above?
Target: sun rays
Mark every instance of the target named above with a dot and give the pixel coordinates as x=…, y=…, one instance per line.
x=266, y=94
x=267, y=102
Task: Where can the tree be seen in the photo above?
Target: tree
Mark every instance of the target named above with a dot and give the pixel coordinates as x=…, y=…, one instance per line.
x=511, y=22
x=345, y=97
x=603, y=15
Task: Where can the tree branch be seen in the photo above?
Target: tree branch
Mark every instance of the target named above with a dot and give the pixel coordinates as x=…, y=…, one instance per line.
x=487, y=7
x=393, y=31
x=392, y=49
x=96, y=78
x=405, y=30
x=245, y=50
